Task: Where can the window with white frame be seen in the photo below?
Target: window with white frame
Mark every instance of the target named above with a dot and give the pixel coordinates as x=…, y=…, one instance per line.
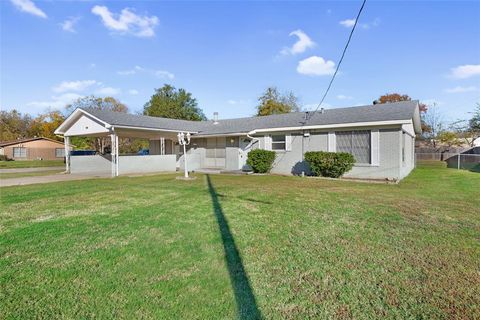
x=19, y=152
x=278, y=142
x=59, y=152
x=356, y=143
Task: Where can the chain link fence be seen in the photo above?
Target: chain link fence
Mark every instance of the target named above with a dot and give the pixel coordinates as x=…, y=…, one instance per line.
x=459, y=161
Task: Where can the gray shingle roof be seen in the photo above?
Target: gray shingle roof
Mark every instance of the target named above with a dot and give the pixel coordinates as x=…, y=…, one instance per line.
x=381, y=112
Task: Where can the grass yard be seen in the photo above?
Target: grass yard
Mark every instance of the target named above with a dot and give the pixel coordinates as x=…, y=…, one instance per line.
x=30, y=164
x=243, y=247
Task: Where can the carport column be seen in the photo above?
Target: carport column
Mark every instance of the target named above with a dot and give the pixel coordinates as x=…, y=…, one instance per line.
x=117, y=155
x=114, y=154
x=66, y=143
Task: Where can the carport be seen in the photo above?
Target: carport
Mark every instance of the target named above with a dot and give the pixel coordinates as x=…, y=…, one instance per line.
x=85, y=123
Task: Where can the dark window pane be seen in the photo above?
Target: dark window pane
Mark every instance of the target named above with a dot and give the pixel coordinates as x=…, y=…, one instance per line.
x=278, y=138
x=278, y=146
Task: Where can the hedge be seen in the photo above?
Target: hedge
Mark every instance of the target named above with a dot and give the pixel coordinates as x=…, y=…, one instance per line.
x=329, y=164
x=260, y=160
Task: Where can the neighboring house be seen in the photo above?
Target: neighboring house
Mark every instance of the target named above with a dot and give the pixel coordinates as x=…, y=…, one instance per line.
x=476, y=142
x=32, y=149
x=381, y=137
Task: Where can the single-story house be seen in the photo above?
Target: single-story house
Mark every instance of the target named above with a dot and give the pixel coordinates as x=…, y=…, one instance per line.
x=381, y=137
x=33, y=148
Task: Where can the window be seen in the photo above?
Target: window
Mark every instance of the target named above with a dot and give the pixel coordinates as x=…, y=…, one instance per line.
x=60, y=152
x=19, y=152
x=355, y=142
x=278, y=142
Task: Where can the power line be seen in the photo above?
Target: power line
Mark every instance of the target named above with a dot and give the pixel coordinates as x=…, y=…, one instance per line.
x=339, y=62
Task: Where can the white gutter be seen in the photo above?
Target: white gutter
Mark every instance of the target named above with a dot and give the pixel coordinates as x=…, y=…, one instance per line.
x=220, y=135
x=152, y=129
x=333, y=126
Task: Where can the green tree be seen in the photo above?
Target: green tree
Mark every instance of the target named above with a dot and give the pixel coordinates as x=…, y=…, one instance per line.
x=92, y=102
x=169, y=102
x=45, y=125
x=474, y=123
x=14, y=125
x=273, y=102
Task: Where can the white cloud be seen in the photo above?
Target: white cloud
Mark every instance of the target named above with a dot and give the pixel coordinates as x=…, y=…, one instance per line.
x=316, y=66
x=348, y=23
x=133, y=92
x=108, y=91
x=235, y=102
x=460, y=89
x=162, y=74
x=29, y=7
x=56, y=102
x=465, y=71
x=80, y=85
x=127, y=22
x=303, y=43
x=344, y=97
x=69, y=24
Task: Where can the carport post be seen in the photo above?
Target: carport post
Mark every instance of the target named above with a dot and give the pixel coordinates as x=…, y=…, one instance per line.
x=66, y=144
x=114, y=154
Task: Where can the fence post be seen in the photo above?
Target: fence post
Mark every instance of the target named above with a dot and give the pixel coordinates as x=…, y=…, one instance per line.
x=458, y=161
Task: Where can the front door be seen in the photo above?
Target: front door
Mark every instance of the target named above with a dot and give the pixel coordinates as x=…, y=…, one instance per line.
x=215, y=152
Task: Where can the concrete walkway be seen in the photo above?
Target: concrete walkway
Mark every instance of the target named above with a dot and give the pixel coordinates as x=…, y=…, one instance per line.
x=47, y=179
x=26, y=170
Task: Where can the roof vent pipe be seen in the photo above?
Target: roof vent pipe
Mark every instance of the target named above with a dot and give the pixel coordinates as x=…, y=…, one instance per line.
x=306, y=115
x=322, y=110
x=215, y=117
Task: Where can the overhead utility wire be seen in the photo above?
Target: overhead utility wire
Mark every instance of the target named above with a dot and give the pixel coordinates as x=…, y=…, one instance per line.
x=310, y=115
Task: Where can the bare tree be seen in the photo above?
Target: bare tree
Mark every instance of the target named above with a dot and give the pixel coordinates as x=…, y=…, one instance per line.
x=434, y=120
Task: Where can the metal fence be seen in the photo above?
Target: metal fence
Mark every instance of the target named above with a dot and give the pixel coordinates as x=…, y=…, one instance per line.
x=464, y=161
x=453, y=160
x=433, y=156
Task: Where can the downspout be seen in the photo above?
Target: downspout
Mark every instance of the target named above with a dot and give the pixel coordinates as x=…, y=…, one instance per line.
x=252, y=138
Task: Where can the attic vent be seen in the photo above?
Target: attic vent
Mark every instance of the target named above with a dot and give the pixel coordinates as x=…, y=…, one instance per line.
x=215, y=118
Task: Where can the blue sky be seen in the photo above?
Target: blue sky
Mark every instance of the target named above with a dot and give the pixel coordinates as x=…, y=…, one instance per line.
x=227, y=53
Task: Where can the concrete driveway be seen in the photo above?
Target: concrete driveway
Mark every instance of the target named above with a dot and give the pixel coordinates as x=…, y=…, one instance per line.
x=26, y=170
x=47, y=179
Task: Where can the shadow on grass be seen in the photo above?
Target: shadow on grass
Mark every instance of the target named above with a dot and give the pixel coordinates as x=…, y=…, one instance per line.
x=244, y=297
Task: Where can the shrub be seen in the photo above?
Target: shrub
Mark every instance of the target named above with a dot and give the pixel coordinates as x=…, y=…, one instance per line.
x=260, y=160
x=3, y=157
x=329, y=164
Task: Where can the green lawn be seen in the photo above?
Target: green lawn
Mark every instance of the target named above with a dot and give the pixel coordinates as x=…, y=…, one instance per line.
x=243, y=247
x=30, y=164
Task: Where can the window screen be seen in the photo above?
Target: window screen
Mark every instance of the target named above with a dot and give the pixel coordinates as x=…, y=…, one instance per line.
x=19, y=152
x=278, y=142
x=355, y=142
x=59, y=152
